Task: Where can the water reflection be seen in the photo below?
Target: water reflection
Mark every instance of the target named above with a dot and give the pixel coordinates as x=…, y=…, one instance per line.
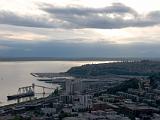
x=17, y=74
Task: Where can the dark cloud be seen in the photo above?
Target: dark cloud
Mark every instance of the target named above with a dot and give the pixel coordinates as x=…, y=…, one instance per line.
x=11, y=18
x=77, y=17
x=109, y=17
x=154, y=15
x=64, y=49
x=79, y=10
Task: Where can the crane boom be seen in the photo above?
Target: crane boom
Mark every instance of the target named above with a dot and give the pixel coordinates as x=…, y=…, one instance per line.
x=42, y=86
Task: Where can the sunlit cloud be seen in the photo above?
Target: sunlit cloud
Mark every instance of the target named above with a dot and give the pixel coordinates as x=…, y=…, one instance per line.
x=22, y=36
x=26, y=36
x=131, y=35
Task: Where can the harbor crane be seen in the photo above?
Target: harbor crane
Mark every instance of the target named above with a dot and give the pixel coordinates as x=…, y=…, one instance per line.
x=43, y=87
x=27, y=91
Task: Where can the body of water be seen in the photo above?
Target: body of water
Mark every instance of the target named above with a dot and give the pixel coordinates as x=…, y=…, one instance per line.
x=17, y=74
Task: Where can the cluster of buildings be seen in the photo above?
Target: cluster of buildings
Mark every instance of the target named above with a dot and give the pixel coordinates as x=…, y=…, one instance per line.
x=79, y=101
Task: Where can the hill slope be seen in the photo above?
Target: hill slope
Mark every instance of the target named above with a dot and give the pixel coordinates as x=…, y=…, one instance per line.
x=121, y=68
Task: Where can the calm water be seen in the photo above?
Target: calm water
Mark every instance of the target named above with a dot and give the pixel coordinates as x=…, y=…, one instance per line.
x=17, y=74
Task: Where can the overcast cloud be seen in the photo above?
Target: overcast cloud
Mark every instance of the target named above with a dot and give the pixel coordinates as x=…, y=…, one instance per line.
x=115, y=16
x=111, y=17
x=78, y=29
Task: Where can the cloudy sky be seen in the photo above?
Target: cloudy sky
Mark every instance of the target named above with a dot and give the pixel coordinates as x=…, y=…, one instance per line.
x=79, y=28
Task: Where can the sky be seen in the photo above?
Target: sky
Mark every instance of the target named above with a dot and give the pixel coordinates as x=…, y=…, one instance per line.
x=79, y=28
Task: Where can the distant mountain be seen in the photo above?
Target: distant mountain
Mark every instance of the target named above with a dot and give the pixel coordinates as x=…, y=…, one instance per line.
x=138, y=68
x=65, y=59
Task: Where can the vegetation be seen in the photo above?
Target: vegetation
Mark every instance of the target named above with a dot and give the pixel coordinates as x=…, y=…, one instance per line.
x=132, y=83
x=155, y=79
x=56, y=92
x=20, y=118
x=139, y=68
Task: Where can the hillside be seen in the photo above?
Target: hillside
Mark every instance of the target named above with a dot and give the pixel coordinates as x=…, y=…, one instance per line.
x=139, y=68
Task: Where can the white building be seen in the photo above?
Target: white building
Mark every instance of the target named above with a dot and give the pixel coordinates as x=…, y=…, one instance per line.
x=82, y=102
x=73, y=87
